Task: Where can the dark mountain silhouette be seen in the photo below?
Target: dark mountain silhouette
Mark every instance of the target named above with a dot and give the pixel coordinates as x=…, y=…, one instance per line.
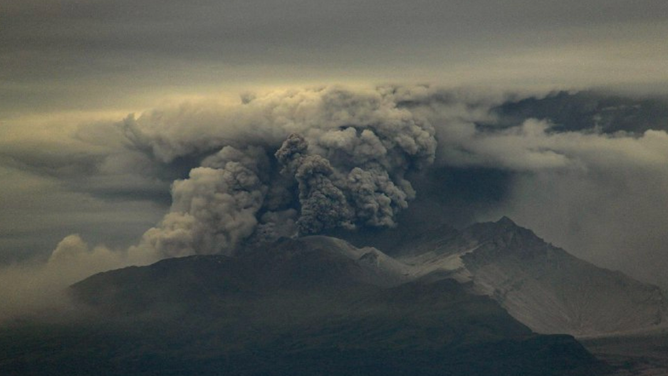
x=309, y=306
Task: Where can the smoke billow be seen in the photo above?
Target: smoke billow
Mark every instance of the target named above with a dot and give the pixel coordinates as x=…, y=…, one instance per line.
x=323, y=204
x=294, y=164
x=216, y=207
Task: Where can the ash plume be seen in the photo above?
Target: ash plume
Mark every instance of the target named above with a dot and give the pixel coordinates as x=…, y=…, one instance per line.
x=216, y=207
x=306, y=162
x=323, y=204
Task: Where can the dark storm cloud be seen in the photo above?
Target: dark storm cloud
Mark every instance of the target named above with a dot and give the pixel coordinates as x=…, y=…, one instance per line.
x=588, y=111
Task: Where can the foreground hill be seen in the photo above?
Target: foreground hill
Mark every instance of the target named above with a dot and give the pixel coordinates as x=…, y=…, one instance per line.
x=541, y=285
x=311, y=306
x=642, y=353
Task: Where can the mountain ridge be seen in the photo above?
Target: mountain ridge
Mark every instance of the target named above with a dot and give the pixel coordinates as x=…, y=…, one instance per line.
x=317, y=302
x=539, y=284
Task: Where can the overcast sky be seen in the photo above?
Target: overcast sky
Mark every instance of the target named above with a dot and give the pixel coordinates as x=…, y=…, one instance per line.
x=101, y=55
x=71, y=71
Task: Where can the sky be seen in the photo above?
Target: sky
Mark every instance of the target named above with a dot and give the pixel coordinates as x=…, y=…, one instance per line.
x=102, y=55
x=105, y=104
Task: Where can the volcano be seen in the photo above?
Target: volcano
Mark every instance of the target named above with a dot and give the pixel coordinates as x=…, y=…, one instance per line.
x=309, y=306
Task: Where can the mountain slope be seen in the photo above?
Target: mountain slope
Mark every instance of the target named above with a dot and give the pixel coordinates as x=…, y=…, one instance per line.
x=311, y=306
x=541, y=285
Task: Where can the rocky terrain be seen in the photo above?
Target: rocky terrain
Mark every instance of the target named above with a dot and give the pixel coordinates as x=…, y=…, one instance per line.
x=539, y=284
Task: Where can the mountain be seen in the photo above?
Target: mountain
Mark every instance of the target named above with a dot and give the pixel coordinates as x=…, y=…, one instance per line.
x=308, y=306
x=539, y=284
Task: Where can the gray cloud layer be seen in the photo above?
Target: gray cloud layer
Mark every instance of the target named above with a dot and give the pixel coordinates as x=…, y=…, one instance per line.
x=72, y=55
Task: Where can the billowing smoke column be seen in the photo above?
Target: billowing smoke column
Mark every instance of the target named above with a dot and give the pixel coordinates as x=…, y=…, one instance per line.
x=323, y=204
x=216, y=207
x=327, y=159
